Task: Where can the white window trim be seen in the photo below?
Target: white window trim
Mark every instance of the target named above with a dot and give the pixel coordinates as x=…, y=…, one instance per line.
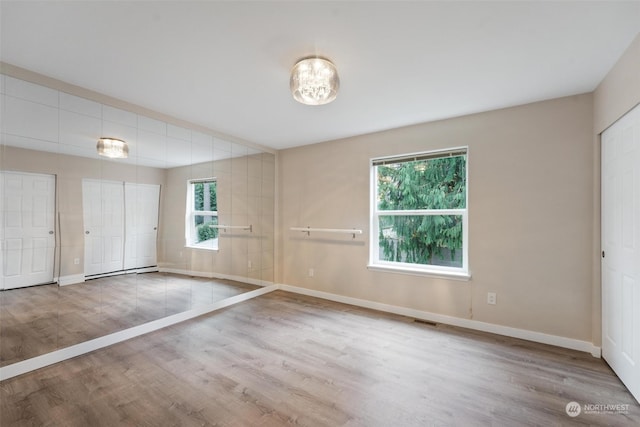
x=191, y=214
x=409, y=269
x=375, y=264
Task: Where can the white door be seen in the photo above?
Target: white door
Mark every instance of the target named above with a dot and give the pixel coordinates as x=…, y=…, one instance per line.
x=141, y=225
x=27, y=225
x=103, y=214
x=621, y=249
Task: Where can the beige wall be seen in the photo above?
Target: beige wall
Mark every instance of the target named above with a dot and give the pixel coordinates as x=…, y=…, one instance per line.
x=618, y=93
x=69, y=172
x=245, y=197
x=530, y=217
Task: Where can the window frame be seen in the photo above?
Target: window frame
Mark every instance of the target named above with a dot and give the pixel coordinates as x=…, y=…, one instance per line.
x=191, y=213
x=375, y=263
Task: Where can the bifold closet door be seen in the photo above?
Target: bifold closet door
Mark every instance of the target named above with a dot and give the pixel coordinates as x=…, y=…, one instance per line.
x=141, y=225
x=621, y=249
x=103, y=214
x=27, y=229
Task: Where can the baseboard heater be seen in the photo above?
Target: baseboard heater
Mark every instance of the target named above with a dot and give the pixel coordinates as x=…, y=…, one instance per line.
x=140, y=270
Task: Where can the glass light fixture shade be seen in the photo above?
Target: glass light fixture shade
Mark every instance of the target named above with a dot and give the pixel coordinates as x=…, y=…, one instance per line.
x=314, y=81
x=113, y=148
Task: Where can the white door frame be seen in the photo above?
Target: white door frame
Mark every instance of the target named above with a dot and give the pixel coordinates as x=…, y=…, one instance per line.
x=27, y=229
x=142, y=203
x=620, y=145
x=120, y=226
x=103, y=226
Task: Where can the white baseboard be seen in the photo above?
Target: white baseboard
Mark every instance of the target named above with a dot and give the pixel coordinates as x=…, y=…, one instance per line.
x=44, y=360
x=144, y=270
x=508, y=331
x=123, y=272
x=212, y=275
x=71, y=279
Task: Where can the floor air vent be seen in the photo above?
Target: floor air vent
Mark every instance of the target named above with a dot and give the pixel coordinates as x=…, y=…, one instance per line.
x=425, y=322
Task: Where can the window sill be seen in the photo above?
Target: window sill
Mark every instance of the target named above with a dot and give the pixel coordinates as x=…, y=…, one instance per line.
x=202, y=248
x=452, y=275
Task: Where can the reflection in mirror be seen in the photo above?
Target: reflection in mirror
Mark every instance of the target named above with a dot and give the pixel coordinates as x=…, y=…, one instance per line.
x=115, y=261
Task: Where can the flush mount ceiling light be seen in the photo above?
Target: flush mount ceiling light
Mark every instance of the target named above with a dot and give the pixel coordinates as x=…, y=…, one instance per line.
x=314, y=81
x=113, y=148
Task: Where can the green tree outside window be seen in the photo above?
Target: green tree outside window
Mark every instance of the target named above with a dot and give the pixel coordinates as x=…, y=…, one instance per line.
x=418, y=185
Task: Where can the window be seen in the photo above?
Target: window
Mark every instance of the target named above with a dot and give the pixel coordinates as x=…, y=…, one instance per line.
x=201, y=214
x=419, y=213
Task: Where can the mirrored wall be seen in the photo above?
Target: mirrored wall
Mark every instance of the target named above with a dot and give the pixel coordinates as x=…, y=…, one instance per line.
x=92, y=245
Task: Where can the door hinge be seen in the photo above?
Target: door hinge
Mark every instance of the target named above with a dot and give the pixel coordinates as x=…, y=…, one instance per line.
x=602, y=254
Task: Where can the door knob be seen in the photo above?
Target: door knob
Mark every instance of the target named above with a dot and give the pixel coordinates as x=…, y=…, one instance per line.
x=155, y=228
x=86, y=232
x=50, y=232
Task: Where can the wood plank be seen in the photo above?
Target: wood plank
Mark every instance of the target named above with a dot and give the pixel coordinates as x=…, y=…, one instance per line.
x=41, y=319
x=290, y=359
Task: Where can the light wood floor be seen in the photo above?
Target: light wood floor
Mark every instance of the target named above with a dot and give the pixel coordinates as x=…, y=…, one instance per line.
x=41, y=319
x=283, y=359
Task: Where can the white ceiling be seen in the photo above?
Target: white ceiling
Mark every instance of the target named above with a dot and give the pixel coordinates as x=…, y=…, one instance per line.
x=225, y=65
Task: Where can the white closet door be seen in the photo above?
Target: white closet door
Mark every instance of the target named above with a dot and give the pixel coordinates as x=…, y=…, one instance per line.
x=621, y=251
x=27, y=224
x=103, y=213
x=141, y=225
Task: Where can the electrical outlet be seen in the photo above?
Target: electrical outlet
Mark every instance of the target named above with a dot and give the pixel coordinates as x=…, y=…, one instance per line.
x=311, y=272
x=76, y=261
x=249, y=264
x=492, y=298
